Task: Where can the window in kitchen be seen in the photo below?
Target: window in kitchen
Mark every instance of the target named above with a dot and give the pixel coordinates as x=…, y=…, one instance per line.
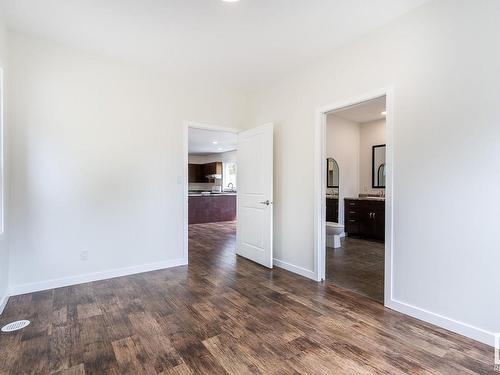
x=229, y=176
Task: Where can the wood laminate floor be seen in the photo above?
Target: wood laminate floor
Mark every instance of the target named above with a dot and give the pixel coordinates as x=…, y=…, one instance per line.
x=358, y=266
x=224, y=314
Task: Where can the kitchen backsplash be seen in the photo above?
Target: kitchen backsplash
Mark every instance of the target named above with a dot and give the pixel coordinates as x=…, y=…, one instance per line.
x=204, y=186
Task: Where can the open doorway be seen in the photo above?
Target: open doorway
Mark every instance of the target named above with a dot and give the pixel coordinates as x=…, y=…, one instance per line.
x=212, y=176
x=228, y=182
x=354, y=195
x=212, y=162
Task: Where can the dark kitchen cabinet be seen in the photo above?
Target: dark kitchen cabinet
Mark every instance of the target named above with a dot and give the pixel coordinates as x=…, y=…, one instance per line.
x=195, y=173
x=198, y=173
x=212, y=168
x=212, y=208
x=365, y=218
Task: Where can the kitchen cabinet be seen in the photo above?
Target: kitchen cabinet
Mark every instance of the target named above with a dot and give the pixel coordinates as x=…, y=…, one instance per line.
x=198, y=173
x=212, y=208
x=212, y=168
x=365, y=218
x=195, y=173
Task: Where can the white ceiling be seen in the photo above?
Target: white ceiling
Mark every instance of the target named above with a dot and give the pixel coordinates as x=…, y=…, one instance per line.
x=201, y=141
x=249, y=41
x=364, y=112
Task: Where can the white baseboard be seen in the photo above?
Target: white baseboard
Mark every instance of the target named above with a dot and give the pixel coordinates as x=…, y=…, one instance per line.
x=464, y=329
x=3, y=303
x=96, y=276
x=456, y=326
x=295, y=269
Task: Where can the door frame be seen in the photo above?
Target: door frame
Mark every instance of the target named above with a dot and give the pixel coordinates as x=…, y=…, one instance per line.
x=320, y=184
x=185, y=175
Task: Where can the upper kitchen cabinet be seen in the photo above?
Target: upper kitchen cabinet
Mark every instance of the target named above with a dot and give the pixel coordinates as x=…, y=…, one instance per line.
x=213, y=169
x=195, y=173
x=203, y=173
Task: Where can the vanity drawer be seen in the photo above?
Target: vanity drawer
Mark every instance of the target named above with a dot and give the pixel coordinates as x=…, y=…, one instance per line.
x=351, y=212
x=351, y=208
x=352, y=203
x=352, y=226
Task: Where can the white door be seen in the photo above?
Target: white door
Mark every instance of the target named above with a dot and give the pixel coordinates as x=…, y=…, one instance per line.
x=254, y=236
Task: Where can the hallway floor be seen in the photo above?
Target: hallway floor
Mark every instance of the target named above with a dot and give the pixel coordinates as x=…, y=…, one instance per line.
x=358, y=266
x=223, y=314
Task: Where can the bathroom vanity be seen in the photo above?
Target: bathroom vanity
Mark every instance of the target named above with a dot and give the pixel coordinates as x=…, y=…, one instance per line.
x=332, y=209
x=365, y=217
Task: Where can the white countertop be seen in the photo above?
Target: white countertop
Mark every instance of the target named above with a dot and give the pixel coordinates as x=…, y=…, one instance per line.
x=382, y=199
x=211, y=194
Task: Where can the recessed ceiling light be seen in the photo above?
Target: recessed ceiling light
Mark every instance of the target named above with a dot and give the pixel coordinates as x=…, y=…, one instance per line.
x=383, y=113
x=215, y=142
x=230, y=1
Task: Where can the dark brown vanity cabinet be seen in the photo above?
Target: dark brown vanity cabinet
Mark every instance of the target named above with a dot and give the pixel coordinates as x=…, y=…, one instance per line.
x=365, y=218
x=332, y=210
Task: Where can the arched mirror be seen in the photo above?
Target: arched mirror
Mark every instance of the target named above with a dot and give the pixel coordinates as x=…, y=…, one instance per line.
x=332, y=173
x=378, y=166
x=381, y=175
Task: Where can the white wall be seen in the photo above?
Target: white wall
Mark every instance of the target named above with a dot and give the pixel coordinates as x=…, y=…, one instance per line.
x=371, y=134
x=225, y=157
x=4, y=250
x=342, y=144
x=443, y=62
x=97, y=149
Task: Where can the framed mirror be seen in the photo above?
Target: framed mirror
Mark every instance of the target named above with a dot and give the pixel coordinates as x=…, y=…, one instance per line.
x=332, y=173
x=378, y=167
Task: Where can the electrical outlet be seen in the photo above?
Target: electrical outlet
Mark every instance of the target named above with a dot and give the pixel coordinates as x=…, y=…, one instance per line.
x=84, y=255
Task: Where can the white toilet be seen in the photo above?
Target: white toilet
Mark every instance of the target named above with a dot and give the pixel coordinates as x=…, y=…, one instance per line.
x=333, y=232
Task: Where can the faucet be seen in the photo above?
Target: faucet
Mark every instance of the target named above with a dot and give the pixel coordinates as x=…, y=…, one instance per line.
x=232, y=186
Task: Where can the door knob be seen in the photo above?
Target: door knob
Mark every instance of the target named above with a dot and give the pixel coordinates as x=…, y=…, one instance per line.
x=267, y=203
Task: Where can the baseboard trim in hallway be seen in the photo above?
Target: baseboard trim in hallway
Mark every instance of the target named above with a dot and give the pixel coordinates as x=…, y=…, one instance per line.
x=95, y=276
x=295, y=269
x=452, y=325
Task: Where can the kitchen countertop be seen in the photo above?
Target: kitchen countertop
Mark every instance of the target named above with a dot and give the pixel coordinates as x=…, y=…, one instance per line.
x=211, y=194
x=382, y=199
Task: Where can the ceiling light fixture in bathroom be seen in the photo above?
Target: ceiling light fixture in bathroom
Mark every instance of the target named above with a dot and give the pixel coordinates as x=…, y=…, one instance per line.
x=383, y=113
